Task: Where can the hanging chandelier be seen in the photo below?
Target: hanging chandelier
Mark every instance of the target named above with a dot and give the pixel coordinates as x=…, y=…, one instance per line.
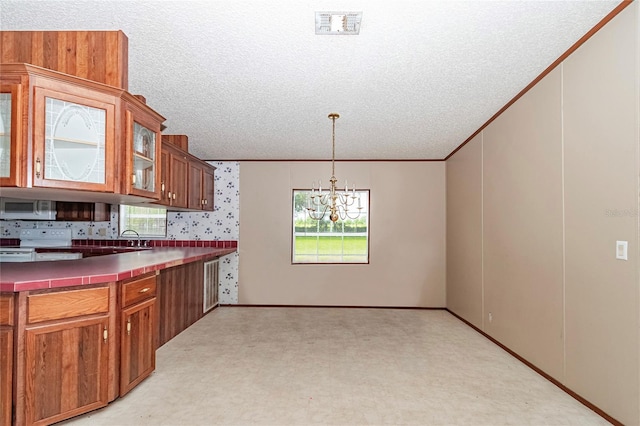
x=339, y=204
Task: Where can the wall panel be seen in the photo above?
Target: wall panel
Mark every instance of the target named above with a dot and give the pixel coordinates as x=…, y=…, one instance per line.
x=464, y=232
x=601, y=186
x=522, y=216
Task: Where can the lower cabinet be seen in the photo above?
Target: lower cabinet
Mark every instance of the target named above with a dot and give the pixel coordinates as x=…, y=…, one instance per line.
x=62, y=364
x=138, y=332
x=6, y=358
x=180, y=299
x=66, y=369
x=64, y=352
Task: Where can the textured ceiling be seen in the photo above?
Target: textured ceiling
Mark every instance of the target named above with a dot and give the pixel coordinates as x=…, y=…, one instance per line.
x=251, y=80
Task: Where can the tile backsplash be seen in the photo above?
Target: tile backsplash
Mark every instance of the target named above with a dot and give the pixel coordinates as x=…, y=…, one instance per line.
x=222, y=224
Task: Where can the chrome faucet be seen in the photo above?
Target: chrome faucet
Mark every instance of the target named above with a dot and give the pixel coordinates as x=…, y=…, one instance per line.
x=131, y=241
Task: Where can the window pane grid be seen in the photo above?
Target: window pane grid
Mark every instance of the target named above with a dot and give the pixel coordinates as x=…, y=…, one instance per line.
x=323, y=241
x=146, y=221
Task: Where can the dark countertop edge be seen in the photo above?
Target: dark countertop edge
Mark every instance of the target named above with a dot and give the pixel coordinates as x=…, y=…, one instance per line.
x=61, y=279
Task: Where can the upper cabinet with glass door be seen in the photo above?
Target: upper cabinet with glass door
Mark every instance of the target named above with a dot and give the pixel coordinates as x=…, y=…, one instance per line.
x=142, y=153
x=74, y=140
x=5, y=134
x=10, y=140
x=79, y=135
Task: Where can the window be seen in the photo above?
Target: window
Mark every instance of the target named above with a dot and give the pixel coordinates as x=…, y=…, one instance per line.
x=146, y=221
x=323, y=241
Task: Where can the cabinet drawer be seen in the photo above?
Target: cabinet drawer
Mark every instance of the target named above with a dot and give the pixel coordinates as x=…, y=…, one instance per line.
x=6, y=309
x=67, y=304
x=136, y=291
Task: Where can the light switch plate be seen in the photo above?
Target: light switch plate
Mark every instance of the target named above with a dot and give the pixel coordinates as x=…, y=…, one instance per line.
x=621, y=250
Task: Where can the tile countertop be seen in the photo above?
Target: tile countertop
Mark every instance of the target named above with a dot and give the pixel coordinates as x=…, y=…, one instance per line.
x=15, y=277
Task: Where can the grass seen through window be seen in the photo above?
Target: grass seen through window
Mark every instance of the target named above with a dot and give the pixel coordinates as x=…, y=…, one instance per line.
x=322, y=241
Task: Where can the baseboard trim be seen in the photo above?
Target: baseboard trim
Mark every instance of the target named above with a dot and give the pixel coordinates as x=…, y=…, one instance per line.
x=334, y=306
x=571, y=393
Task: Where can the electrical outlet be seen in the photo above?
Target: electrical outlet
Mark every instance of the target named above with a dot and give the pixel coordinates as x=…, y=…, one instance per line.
x=102, y=232
x=90, y=231
x=490, y=317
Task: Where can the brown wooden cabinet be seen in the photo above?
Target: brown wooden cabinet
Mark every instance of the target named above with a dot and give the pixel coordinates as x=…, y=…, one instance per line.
x=12, y=158
x=208, y=188
x=74, y=140
x=188, y=181
x=139, y=330
x=100, y=56
x=142, y=153
x=63, y=355
x=201, y=185
x=174, y=189
x=67, y=351
x=72, y=211
x=6, y=358
x=180, y=299
x=78, y=134
x=66, y=369
x=195, y=185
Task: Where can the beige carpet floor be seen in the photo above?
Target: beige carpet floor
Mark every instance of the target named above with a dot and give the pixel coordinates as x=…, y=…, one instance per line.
x=338, y=366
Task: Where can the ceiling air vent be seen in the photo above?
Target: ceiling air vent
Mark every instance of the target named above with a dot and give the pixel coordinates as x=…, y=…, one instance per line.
x=342, y=23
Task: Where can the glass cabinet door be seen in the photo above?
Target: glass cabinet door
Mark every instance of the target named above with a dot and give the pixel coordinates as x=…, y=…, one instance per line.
x=12, y=161
x=73, y=141
x=5, y=135
x=75, y=137
x=142, y=151
x=144, y=158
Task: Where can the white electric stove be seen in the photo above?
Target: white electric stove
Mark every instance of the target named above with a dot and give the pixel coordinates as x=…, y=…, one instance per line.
x=31, y=239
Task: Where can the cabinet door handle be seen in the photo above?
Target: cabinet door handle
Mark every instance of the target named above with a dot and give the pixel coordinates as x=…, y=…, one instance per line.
x=206, y=202
x=129, y=326
x=133, y=178
x=144, y=290
x=38, y=167
x=105, y=334
x=162, y=187
x=174, y=195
